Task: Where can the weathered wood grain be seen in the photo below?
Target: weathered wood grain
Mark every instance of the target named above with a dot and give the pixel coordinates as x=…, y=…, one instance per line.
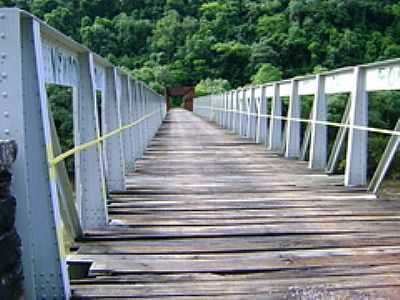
x=211, y=215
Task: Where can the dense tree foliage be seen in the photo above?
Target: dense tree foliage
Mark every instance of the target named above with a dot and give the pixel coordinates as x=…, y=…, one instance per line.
x=234, y=42
x=209, y=87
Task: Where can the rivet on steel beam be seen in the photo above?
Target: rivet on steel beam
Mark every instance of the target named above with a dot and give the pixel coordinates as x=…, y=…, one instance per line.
x=7, y=132
x=6, y=114
x=3, y=55
x=2, y=35
x=4, y=75
x=4, y=94
x=2, y=16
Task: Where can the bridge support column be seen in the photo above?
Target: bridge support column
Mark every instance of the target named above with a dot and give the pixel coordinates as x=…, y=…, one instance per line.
x=115, y=96
x=214, y=112
x=275, y=136
x=23, y=107
x=244, y=114
x=136, y=129
x=241, y=112
x=125, y=112
x=146, y=122
x=142, y=104
x=236, y=117
x=293, y=126
x=248, y=102
x=221, y=106
x=231, y=111
x=223, y=110
x=252, y=128
x=132, y=130
x=227, y=112
x=357, y=149
x=90, y=182
x=217, y=110
x=262, y=125
x=318, y=149
x=138, y=109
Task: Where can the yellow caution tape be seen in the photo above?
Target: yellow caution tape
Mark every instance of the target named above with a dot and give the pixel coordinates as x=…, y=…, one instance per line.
x=53, y=161
x=363, y=128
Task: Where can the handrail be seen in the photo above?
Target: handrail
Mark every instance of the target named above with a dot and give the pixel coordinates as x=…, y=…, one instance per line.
x=33, y=54
x=53, y=161
x=301, y=120
x=357, y=81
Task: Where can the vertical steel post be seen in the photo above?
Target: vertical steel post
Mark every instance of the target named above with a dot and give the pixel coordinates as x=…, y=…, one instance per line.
x=249, y=104
x=90, y=183
x=125, y=111
x=228, y=96
x=275, y=136
x=293, y=133
x=231, y=113
x=139, y=103
x=237, y=113
x=246, y=115
x=137, y=132
x=262, y=136
x=357, y=148
x=143, y=123
x=319, y=133
x=130, y=118
x=146, y=121
x=226, y=119
x=23, y=94
x=243, y=112
x=111, y=119
x=219, y=110
x=253, y=115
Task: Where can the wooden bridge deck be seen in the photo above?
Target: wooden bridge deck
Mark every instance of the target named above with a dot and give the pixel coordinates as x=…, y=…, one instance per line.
x=212, y=215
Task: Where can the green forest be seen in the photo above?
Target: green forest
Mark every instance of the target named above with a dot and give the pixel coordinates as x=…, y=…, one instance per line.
x=174, y=42
x=224, y=44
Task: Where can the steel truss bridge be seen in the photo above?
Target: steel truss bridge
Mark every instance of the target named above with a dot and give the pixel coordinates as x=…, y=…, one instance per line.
x=232, y=201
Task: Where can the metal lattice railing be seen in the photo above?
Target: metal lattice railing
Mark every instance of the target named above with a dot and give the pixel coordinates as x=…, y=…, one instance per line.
x=244, y=111
x=32, y=54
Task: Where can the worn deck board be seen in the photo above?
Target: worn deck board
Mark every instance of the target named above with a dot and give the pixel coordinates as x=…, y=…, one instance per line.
x=212, y=215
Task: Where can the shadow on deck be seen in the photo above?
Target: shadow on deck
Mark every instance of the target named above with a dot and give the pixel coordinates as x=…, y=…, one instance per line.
x=209, y=214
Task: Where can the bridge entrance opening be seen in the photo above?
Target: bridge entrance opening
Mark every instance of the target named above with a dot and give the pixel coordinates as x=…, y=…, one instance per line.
x=180, y=97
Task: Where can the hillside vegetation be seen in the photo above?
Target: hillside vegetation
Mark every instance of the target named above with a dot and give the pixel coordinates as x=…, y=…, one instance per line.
x=169, y=42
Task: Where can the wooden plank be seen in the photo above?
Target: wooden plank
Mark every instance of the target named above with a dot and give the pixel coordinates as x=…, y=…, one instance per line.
x=277, y=289
x=238, y=244
x=212, y=215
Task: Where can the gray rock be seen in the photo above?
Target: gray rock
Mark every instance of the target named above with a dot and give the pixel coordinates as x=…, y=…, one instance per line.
x=8, y=154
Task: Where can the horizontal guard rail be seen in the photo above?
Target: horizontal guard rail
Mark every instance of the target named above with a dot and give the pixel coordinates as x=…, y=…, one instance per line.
x=333, y=124
x=244, y=112
x=56, y=160
x=104, y=97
